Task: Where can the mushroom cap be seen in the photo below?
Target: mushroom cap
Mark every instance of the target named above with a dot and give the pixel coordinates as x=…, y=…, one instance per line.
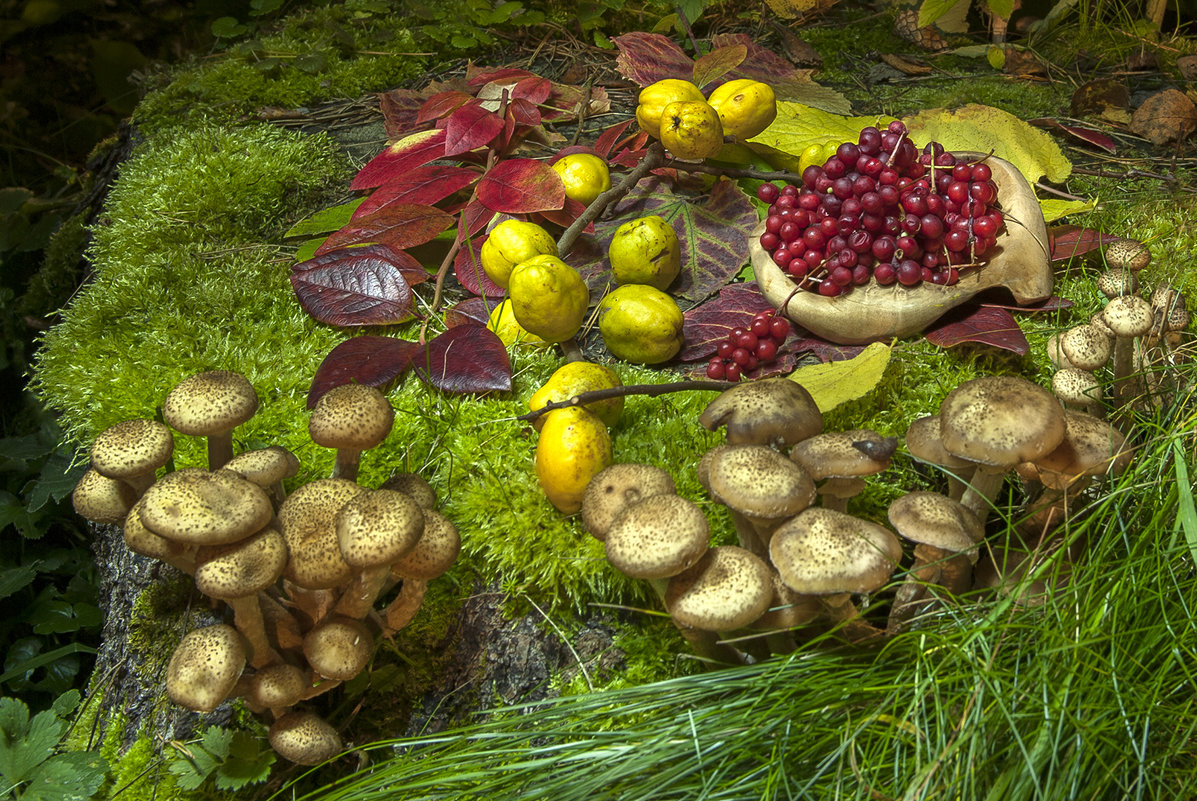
x=759, y=483
x=435, y=551
x=1055, y=349
x=278, y=686
x=769, y=411
x=415, y=486
x=377, y=527
x=338, y=648
x=658, y=537
x=352, y=416
x=205, y=667
x=1116, y=282
x=726, y=589
x=1091, y=447
x=1128, y=316
x=618, y=486
x=132, y=448
x=198, y=507
x=242, y=568
x=1076, y=386
x=102, y=500
x=825, y=552
x=264, y=466
x=937, y=520
x=210, y=403
x=925, y=443
x=304, y=738
x=787, y=609
x=1099, y=322
x=140, y=539
x=844, y=454
x=1000, y=421
x=1128, y=254
x=307, y=519
x=1086, y=347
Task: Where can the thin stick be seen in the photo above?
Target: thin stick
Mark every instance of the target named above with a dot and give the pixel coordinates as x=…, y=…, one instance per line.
x=652, y=390
x=654, y=158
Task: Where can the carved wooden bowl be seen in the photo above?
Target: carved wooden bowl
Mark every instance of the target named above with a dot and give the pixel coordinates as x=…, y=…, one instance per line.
x=1019, y=261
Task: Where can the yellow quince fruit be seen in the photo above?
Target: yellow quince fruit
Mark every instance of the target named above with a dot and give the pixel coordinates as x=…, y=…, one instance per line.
x=511, y=242
x=502, y=321
x=691, y=129
x=585, y=175
x=549, y=298
x=574, y=446
x=656, y=96
x=645, y=251
x=573, y=379
x=641, y=324
x=745, y=107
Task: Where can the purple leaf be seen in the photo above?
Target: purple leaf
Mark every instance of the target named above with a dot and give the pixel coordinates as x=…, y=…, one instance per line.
x=519, y=186
x=370, y=360
x=348, y=287
x=399, y=225
x=987, y=325
x=464, y=360
x=648, y=57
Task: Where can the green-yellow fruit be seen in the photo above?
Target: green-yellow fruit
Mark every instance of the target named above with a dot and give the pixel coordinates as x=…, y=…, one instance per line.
x=511, y=242
x=641, y=324
x=745, y=107
x=549, y=298
x=691, y=129
x=573, y=379
x=502, y=321
x=574, y=446
x=656, y=96
x=645, y=251
x=585, y=176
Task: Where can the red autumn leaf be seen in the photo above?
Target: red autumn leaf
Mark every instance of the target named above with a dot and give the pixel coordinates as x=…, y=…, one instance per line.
x=523, y=112
x=607, y=139
x=467, y=266
x=412, y=271
x=533, y=89
x=519, y=186
x=347, y=288
x=705, y=326
x=400, y=110
x=469, y=128
x=768, y=67
x=471, y=311
x=370, y=360
x=424, y=185
x=986, y=325
x=566, y=101
x=649, y=57
x=399, y=225
x=1089, y=135
x=408, y=153
x=464, y=360
x=1072, y=240
x=477, y=77
x=476, y=216
x=717, y=63
x=441, y=104
x=565, y=216
x=1054, y=303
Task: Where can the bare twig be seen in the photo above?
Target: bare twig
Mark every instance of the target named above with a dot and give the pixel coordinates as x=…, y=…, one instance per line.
x=655, y=157
x=652, y=390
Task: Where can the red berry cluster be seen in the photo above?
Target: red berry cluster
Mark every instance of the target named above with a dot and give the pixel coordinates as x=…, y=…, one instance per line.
x=746, y=349
x=881, y=210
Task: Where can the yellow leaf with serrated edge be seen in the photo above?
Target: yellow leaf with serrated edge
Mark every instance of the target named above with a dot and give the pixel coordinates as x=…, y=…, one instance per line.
x=839, y=382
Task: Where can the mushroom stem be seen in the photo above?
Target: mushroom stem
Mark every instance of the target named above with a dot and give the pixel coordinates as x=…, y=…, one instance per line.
x=1123, y=387
x=749, y=536
x=403, y=609
x=315, y=605
x=281, y=625
x=346, y=467
x=982, y=489
x=709, y=649
x=846, y=619
x=220, y=449
x=358, y=598
x=910, y=596
x=247, y=618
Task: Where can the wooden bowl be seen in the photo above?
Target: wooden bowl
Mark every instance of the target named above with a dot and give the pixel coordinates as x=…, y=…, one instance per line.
x=1019, y=261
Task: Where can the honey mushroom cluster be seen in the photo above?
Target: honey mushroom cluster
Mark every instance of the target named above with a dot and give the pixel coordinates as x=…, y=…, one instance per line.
x=301, y=574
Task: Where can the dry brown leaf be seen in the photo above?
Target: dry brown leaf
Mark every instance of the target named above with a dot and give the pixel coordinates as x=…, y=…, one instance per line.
x=1104, y=98
x=793, y=9
x=1167, y=116
x=1023, y=63
x=1188, y=67
x=906, y=66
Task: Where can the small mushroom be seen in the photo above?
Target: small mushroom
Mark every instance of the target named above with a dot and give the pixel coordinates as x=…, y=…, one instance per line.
x=304, y=738
x=1086, y=347
x=727, y=589
x=197, y=507
x=205, y=667
x=266, y=467
x=374, y=530
x=773, y=411
x=278, y=686
x=840, y=460
x=211, y=405
x=338, y=648
x=415, y=486
x=1127, y=254
x=1116, y=282
x=431, y=557
x=1128, y=317
x=617, y=487
x=657, y=538
x=1077, y=389
x=102, y=500
x=925, y=443
x=1055, y=351
x=351, y=418
x=141, y=540
x=132, y=451
x=762, y=488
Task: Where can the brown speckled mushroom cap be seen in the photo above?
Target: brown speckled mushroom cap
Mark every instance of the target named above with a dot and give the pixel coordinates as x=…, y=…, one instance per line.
x=617, y=487
x=242, y=568
x=1128, y=254
x=1117, y=281
x=925, y=443
x=415, y=486
x=198, y=507
x=265, y=466
x=132, y=449
x=377, y=527
x=770, y=411
x=140, y=539
x=726, y=589
x=338, y=648
x=434, y=552
x=825, y=552
x=1086, y=347
x=658, y=537
x=307, y=520
x=843, y=454
x=205, y=667
x=352, y=416
x=1128, y=316
x=211, y=405
x=278, y=686
x=101, y=499
x=937, y=520
x=304, y=738
x=1000, y=421
x=1076, y=387
x=759, y=483
x=1091, y=447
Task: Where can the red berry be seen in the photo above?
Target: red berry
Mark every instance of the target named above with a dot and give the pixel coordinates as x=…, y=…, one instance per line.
x=724, y=349
x=767, y=193
x=731, y=372
x=779, y=328
x=739, y=356
x=885, y=273
x=766, y=350
x=747, y=340
x=980, y=172
x=760, y=327
x=715, y=370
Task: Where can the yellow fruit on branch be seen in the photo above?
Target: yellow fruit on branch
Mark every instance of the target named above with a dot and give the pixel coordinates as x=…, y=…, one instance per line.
x=502, y=321
x=656, y=96
x=585, y=175
x=745, y=107
x=574, y=446
x=641, y=324
x=573, y=379
x=548, y=297
x=645, y=251
x=511, y=242
x=691, y=129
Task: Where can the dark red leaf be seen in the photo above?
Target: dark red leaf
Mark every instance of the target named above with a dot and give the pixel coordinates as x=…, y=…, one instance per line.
x=477, y=77
x=400, y=110
x=826, y=351
x=519, y=186
x=371, y=360
x=412, y=271
x=465, y=359
x=399, y=225
x=986, y=325
x=469, y=128
x=607, y=139
x=566, y=101
x=424, y=185
x=523, y=112
x=649, y=57
x=1088, y=135
x=471, y=311
x=441, y=104
x=1054, y=303
x=477, y=217
x=1073, y=240
x=347, y=288
x=717, y=63
x=534, y=89
x=467, y=266
x=766, y=66
x=408, y=153
x=565, y=217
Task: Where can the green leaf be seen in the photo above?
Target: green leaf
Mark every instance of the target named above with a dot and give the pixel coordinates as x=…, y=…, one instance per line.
x=16, y=578
x=931, y=10
x=248, y=763
x=835, y=383
x=325, y=221
x=996, y=56
x=56, y=481
x=216, y=741
x=1186, y=512
x=227, y=28
x=1056, y=208
x=20, y=664
x=1002, y=9
x=25, y=743
x=74, y=776
x=66, y=704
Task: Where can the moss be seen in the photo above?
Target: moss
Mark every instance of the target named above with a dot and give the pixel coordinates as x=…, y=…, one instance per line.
x=155, y=626
x=139, y=772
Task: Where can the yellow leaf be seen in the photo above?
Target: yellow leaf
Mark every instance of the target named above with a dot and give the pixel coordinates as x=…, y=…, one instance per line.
x=799, y=126
x=839, y=382
x=1055, y=208
x=790, y=9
